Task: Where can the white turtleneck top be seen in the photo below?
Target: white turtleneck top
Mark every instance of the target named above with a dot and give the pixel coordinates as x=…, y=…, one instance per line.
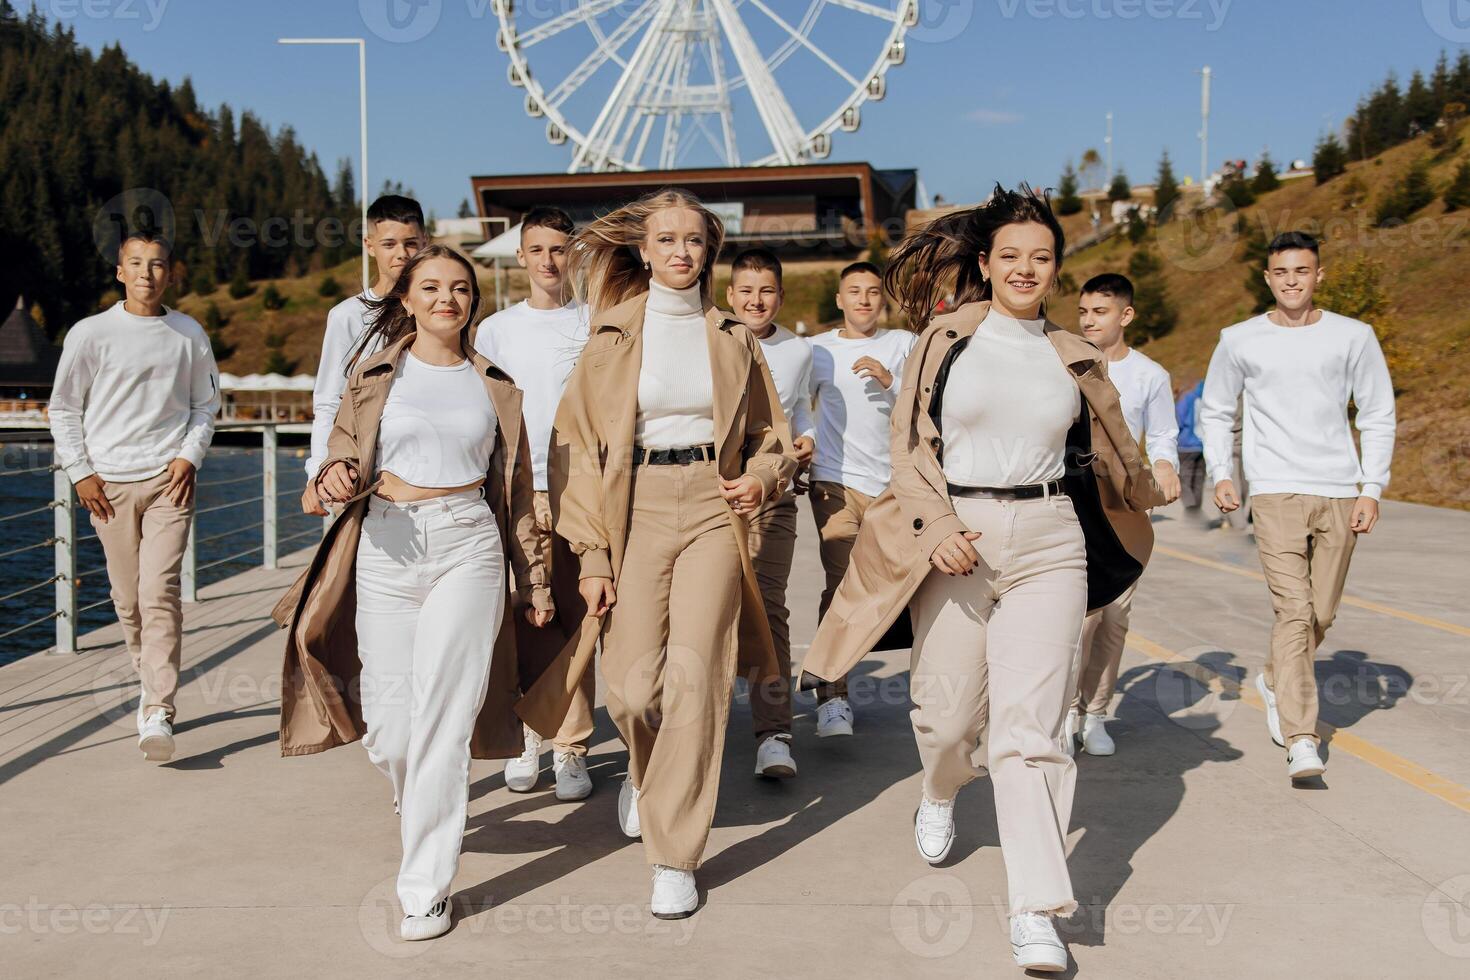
x=1008, y=404
x=676, y=394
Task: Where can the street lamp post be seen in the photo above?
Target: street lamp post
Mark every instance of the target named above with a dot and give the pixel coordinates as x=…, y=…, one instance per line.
x=362, y=114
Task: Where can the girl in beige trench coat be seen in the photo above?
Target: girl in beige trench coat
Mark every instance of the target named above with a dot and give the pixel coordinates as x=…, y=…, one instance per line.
x=404, y=606
x=1017, y=503
x=669, y=435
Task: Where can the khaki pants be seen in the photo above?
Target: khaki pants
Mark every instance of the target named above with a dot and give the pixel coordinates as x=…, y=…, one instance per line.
x=1306, y=544
x=772, y=540
x=993, y=655
x=144, y=544
x=839, y=514
x=669, y=653
x=576, y=730
x=1103, y=636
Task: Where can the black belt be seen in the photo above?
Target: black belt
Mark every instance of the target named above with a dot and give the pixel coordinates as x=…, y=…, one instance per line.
x=673, y=457
x=1030, y=491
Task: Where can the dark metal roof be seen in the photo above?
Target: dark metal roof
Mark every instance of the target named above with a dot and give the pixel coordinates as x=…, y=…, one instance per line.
x=27, y=355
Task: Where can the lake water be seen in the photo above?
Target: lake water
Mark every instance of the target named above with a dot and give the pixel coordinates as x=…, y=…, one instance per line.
x=27, y=491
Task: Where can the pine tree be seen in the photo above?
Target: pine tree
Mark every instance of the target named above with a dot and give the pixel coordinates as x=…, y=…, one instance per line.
x=1457, y=195
x=1421, y=110
x=1329, y=159
x=272, y=299
x=214, y=324
x=1413, y=193
x=1068, y=202
x=240, y=283
x=1256, y=258
x=1119, y=190
x=1265, y=180
x=465, y=211
x=330, y=287
x=1166, y=187
x=1156, y=315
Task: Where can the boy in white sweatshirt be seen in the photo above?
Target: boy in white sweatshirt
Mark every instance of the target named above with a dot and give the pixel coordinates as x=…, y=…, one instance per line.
x=1311, y=496
x=394, y=234
x=132, y=415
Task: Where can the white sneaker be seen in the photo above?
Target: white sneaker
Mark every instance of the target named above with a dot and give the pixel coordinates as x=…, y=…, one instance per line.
x=522, y=772
x=674, y=894
x=1035, y=943
x=1273, y=720
x=156, y=737
x=417, y=927
x=628, y=809
x=773, y=758
x=834, y=717
x=572, y=781
x=934, y=829
x=1095, y=737
x=1072, y=726
x=1302, y=760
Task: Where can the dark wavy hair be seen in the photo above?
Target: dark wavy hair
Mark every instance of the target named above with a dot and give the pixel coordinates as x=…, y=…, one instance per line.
x=389, y=319
x=942, y=258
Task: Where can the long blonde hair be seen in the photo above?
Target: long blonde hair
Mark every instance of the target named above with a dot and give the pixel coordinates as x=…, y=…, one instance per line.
x=604, y=265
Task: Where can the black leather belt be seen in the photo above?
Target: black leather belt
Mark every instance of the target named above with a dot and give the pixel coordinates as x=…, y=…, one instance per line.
x=673, y=457
x=1030, y=491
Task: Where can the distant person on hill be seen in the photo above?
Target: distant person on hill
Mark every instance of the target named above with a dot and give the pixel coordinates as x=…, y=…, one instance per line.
x=132, y=416
x=1191, y=451
x=856, y=371
x=394, y=234
x=755, y=295
x=1297, y=367
x=537, y=341
x=1104, y=311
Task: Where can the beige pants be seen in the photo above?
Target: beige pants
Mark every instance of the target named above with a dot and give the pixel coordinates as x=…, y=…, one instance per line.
x=669, y=654
x=839, y=514
x=144, y=544
x=1306, y=544
x=993, y=653
x=1103, y=636
x=576, y=729
x=772, y=539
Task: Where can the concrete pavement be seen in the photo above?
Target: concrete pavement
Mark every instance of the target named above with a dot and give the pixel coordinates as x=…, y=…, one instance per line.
x=1192, y=854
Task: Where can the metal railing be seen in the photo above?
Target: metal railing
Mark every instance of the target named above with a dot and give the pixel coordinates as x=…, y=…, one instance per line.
x=64, y=538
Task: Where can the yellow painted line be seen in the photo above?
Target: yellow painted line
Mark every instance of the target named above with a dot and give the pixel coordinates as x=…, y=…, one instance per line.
x=1359, y=748
x=1347, y=600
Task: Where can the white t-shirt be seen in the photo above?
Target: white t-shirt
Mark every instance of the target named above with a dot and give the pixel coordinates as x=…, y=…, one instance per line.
x=676, y=392
x=790, y=359
x=346, y=323
x=852, y=411
x=1008, y=403
x=1297, y=383
x=438, y=425
x=132, y=394
x=538, y=349
x=1148, y=404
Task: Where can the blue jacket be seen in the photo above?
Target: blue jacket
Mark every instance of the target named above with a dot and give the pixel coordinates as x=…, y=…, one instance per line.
x=1184, y=415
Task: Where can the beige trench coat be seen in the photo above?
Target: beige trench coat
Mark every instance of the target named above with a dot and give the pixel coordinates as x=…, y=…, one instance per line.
x=591, y=474
x=904, y=525
x=320, y=708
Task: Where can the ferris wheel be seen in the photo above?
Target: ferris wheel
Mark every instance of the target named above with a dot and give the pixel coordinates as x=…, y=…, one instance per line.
x=639, y=83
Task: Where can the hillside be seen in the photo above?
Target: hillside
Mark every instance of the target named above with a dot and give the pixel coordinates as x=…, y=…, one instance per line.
x=1421, y=270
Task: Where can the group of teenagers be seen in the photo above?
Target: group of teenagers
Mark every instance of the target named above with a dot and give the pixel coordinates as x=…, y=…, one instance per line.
x=612, y=466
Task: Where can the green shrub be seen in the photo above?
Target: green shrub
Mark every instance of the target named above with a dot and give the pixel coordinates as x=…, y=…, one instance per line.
x=330, y=288
x=1413, y=193
x=272, y=299
x=1457, y=195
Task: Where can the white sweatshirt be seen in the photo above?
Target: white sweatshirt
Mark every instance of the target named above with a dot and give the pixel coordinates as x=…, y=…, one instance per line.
x=1148, y=404
x=538, y=349
x=1008, y=404
x=346, y=323
x=790, y=359
x=676, y=392
x=132, y=394
x=1297, y=383
x=852, y=411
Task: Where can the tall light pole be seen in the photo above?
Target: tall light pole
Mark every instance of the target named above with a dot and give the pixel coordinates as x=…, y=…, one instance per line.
x=1204, y=127
x=362, y=119
x=1108, y=142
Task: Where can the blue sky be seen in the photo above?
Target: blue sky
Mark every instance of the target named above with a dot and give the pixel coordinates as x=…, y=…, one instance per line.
x=991, y=90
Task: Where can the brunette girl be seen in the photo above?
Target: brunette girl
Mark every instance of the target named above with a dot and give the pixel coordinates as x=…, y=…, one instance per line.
x=404, y=604
x=1016, y=491
x=668, y=438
